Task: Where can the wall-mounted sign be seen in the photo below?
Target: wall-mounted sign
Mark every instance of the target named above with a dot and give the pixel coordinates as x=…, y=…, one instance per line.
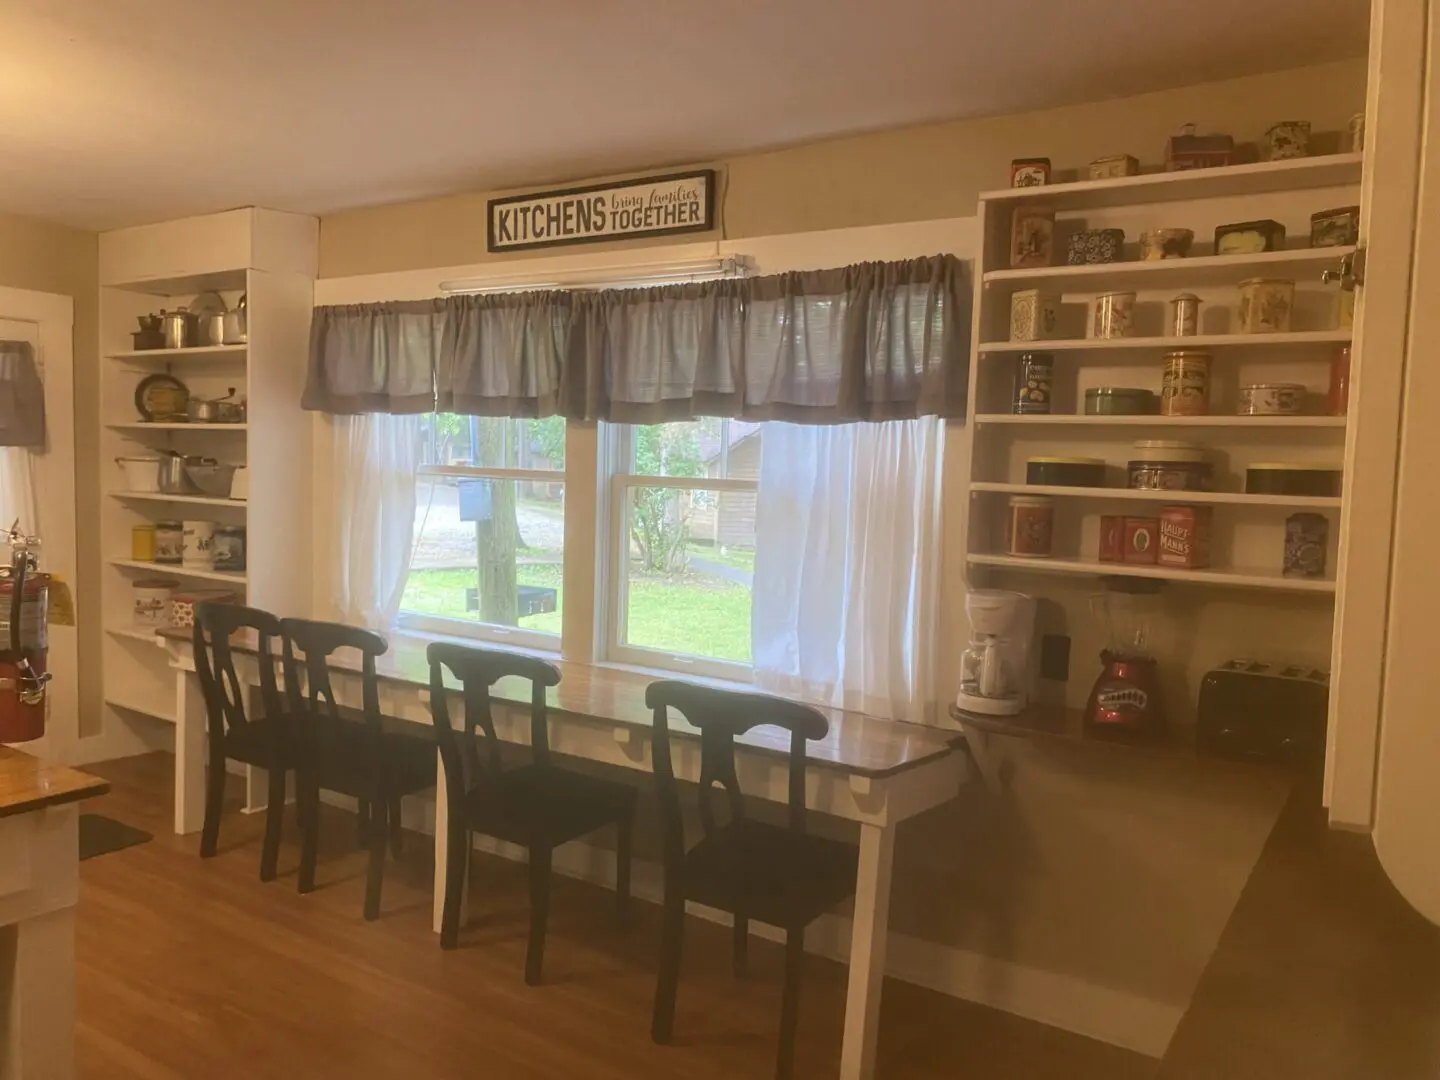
x=651, y=206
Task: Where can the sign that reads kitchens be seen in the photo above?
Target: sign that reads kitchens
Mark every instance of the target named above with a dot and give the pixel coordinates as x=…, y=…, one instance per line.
x=652, y=206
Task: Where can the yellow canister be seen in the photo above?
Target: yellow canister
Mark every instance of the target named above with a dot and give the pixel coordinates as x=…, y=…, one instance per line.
x=142, y=543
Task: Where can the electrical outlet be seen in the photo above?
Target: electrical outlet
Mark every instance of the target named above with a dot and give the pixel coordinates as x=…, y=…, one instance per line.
x=1055, y=657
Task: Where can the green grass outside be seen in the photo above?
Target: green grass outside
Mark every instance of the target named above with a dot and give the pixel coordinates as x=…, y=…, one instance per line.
x=686, y=613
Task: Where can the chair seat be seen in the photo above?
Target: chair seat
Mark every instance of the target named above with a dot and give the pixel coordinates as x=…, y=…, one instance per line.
x=556, y=804
x=769, y=873
x=341, y=748
x=255, y=743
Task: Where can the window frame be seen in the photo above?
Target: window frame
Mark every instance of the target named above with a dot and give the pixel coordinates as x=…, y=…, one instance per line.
x=615, y=453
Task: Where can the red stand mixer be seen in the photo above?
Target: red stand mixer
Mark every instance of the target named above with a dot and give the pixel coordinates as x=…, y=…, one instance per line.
x=1126, y=697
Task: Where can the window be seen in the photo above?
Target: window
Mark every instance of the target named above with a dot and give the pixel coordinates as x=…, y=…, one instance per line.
x=682, y=545
x=489, y=546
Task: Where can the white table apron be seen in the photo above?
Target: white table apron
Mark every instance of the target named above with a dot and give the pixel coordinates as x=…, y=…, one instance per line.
x=877, y=804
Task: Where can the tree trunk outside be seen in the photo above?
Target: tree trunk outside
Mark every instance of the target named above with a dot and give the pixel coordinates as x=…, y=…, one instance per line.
x=496, y=541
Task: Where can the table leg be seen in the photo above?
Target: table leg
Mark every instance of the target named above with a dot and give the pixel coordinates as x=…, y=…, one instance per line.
x=189, y=753
x=867, y=952
x=40, y=1042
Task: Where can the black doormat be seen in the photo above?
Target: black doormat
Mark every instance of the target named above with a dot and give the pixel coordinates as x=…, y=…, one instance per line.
x=101, y=835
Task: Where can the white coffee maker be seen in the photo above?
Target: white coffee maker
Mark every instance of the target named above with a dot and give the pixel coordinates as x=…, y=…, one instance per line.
x=995, y=676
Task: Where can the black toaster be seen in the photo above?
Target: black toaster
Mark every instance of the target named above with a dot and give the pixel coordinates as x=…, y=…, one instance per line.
x=1264, y=712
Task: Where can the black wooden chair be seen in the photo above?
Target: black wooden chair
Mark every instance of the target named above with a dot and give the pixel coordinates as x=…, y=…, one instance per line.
x=538, y=805
x=776, y=875
x=356, y=753
x=263, y=741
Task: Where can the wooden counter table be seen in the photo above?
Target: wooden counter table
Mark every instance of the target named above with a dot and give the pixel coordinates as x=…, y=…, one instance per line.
x=873, y=772
x=39, y=885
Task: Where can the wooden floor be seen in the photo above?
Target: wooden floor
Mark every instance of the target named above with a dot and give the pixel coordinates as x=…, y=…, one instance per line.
x=192, y=969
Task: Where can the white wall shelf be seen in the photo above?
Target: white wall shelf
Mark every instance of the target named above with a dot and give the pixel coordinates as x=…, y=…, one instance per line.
x=143, y=426
x=1208, y=498
x=1171, y=273
x=1200, y=341
x=1046, y=420
x=193, y=500
x=170, y=570
x=202, y=352
x=1242, y=579
x=1298, y=174
x=134, y=633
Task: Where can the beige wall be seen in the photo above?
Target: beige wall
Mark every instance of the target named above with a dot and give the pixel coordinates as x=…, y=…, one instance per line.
x=910, y=174
x=56, y=259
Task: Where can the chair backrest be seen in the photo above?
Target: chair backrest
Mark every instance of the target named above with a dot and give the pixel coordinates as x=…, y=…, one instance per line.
x=215, y=667
x=721, y=715
x=307, y=681
x=478, y=670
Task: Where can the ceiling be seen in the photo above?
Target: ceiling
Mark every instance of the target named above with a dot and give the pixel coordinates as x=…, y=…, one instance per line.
x=116, y=112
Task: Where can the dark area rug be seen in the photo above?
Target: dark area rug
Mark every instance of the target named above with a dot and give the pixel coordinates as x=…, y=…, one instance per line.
x=101, y=835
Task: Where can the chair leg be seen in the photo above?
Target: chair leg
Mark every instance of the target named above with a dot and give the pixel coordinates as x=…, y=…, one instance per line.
x=672, y=940
x=790, y=1002
x=457, y=860
x=397, y=834
x=539, y=911
x=364, y=812
x=214, y=804
x=375, y=875
x=741, y=945
x=624, y=831
x=274, y=821
x=309, y=802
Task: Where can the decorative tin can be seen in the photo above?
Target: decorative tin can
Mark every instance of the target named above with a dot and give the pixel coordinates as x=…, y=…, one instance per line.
x=1030, y=526
x=1306, y=538
x=1096, y=246
x=169, y=543
x=1032, y=236
x=1163, y=465
x=230, y=548
x=1185, y=537
x=1185, y=385
x=142, y=543
x=1033, y=315
x=1034, y=374
x=1272, y=399
x=1184, y=315
x=1187, y=150
x=152, y=602
x=1112, y=315
x=1158, y=244
x=1287, y=139
x=1112, y=538
x=1140, y=546
x=1108, y=168
x=1265, y=305
x=1338, y=398
x=1249, y=237
x=1120, y=401
x=182, y=604
x=1335, y=228
x=198, y=550
x=1357, y=133
x=1029, y=172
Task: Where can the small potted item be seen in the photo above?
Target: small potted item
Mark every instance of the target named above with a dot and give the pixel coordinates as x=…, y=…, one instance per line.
x=1030, y=527
x=1166, y=243
x=1265, y=305
x=1335, y=228
x=1120, y=401
x=1292, y=478
x=1306, y=538
x=1033, y=315
x=1163, y=465
x=1034, y=374
x=1096, y=246
x=1112, y=315
x=1109, y=168
x=1032, y=237
x=1185, y=383
x=1029, y=172
x=1357, y=133
x=1184, y=315
x=1249, y=237
x=1185, y=537
x=1286, y=139
x=1272, y=399
x=1065, y=471
x=1188, y=150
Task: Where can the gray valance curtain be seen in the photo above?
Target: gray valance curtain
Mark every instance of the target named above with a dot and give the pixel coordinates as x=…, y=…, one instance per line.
x=874, y=341
x=22, y=396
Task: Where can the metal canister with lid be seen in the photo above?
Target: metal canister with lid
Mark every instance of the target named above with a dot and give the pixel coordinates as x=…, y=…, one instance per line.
x=1185, y=385
x=1030, y=526
x=1119, y=401
x=1034, y=376
x=169, y=542
x=142, y=543
x=1185, y=315
x=230, y=548
x=1306, y=537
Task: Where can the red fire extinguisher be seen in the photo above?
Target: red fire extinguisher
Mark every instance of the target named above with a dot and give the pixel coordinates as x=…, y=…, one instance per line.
x=25, y=600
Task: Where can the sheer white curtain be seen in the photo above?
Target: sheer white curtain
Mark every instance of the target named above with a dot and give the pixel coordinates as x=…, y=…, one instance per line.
x=376, y=458
x=847, y=565
x=17, y=490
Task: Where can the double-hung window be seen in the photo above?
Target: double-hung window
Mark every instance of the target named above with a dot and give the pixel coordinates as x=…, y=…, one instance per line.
x=488, y=554
x=681, y=544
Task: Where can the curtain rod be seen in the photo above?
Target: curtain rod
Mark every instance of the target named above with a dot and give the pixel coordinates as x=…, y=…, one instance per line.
x=655, y=273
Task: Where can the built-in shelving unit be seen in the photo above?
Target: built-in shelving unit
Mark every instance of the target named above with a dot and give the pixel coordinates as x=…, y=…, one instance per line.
x=1242, y=601
x=269, y=258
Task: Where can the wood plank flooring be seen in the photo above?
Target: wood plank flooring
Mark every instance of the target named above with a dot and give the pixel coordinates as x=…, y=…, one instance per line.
x=193, y=969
